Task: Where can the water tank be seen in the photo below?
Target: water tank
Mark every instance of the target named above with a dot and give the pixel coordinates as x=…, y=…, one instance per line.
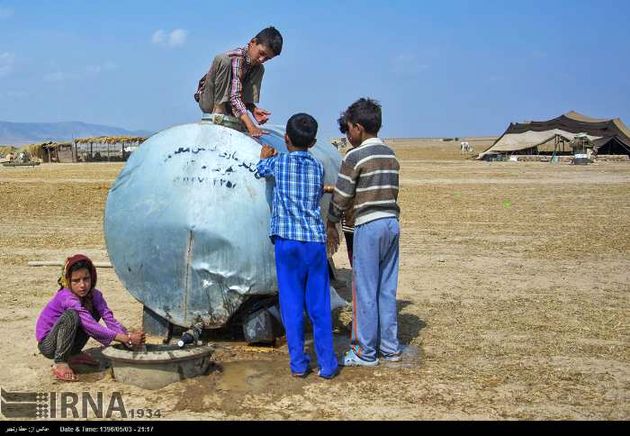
x=187, y=222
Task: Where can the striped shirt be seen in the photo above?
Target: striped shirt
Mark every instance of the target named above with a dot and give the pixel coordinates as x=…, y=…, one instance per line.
x=241, y=66
x=295, y=212
x=369, y=179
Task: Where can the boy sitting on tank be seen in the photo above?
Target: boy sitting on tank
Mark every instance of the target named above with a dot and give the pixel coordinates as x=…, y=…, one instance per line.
x=232, y=85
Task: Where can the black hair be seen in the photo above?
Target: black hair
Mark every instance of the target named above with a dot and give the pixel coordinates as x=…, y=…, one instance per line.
x=302, y=130
x=364, y=111
x=343, y=123
x=271, y=38
x=80, y=265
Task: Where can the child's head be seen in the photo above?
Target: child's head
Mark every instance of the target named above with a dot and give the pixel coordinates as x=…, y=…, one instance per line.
x=363, y=117
x=266, y=45
x=301, y=131
x=79, y=275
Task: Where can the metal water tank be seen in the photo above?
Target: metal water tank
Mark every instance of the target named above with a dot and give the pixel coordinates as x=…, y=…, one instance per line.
x=187, y=222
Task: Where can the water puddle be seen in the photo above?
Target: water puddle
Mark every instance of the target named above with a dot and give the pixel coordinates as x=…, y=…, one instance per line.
x=410, y=358
x=257, y=376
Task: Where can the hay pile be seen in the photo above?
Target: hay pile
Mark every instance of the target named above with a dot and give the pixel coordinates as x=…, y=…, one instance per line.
x=6, y=149
x=111, y=140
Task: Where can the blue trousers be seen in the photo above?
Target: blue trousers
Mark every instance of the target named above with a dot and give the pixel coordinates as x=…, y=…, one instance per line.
x=303, y=282
x=374, y=285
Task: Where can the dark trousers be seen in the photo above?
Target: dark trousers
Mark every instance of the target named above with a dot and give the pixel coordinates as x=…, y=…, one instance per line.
x=66, y=338
x=303, y=283
x=349, y=236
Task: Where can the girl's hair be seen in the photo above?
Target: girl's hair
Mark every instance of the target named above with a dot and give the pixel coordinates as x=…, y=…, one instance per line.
x=82, y=264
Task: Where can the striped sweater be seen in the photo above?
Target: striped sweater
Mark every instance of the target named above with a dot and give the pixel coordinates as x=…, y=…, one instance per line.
x=367, y=182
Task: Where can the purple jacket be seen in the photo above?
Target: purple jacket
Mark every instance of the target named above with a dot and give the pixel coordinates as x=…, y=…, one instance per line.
x=65, y=299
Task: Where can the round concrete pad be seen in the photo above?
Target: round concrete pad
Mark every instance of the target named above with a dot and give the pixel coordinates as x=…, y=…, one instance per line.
x=158, y=365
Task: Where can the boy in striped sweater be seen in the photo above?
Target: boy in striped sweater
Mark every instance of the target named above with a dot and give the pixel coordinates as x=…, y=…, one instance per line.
x=369, y=179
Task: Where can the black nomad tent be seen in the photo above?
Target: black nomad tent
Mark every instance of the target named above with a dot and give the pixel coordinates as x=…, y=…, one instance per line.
x=609, y=136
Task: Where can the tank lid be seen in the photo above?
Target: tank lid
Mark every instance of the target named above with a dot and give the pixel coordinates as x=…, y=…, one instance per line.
x=224, y=120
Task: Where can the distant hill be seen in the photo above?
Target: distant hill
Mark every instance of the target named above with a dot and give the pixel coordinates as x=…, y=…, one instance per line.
x=28, y=133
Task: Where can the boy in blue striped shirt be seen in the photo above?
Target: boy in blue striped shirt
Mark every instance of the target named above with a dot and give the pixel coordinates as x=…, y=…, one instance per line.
x=297, y=231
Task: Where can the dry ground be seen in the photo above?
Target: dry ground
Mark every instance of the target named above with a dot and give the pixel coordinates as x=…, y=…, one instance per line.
x=514, y=287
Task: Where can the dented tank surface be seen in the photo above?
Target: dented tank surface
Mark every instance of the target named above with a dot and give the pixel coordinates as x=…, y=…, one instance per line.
x=187, y=221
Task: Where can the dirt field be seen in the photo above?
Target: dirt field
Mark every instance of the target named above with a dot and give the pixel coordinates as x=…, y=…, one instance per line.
x=514, y=291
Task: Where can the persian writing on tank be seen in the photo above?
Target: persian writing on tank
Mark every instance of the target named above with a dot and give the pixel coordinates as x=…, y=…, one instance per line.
x=220, y=172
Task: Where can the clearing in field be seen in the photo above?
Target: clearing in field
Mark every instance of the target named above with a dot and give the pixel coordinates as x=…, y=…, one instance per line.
x=514, y=289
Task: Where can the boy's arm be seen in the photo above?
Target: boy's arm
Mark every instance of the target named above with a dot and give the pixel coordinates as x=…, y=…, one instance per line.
x=344, y=191
x=252, y=128
x=236, y=98
x=343, y=195
x=267, y=161
x=326, y=189
x=261, y=115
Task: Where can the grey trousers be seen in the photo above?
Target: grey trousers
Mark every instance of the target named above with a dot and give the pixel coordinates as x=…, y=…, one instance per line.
x=216, y=89
x=66, y=338
x=374, y=285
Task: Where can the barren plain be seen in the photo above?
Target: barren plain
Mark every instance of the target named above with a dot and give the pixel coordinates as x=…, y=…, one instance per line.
x=514, y=292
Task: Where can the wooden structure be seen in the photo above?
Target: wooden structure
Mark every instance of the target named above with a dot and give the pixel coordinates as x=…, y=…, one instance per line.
x=57, y=152
x=94, y=149
x=105, y=148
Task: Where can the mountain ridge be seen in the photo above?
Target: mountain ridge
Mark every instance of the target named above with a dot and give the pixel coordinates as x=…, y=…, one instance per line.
x=21, y=133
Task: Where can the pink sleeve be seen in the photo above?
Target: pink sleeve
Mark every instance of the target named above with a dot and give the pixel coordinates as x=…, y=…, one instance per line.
x=236, y=90
x=108, y=316
x=91, y=327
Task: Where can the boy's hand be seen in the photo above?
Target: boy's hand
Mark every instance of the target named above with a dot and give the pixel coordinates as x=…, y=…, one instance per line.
x=329, y=189
x=261, y=115
x=252, y=128
x=254, y=131
x=267, y=151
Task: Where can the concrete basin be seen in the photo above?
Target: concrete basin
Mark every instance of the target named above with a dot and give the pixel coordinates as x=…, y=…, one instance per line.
x=156, y=366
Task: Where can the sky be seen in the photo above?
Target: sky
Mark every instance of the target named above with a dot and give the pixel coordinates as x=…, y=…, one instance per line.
x=447, y=68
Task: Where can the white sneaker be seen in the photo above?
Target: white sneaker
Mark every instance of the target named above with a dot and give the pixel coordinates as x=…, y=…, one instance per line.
x=392, y=357
x=351, y=359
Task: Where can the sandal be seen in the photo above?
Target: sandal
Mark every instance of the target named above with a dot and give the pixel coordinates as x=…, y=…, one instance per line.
x=83, y=359
x=351, y=359
x=64, y=374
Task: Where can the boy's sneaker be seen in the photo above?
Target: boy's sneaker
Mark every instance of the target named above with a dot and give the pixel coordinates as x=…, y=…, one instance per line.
x=397, y=357
x=302, y=374
x=328, y=377
x=351, y=359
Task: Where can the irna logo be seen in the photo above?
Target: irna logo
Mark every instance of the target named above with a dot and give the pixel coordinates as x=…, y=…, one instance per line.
x=65, y=405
